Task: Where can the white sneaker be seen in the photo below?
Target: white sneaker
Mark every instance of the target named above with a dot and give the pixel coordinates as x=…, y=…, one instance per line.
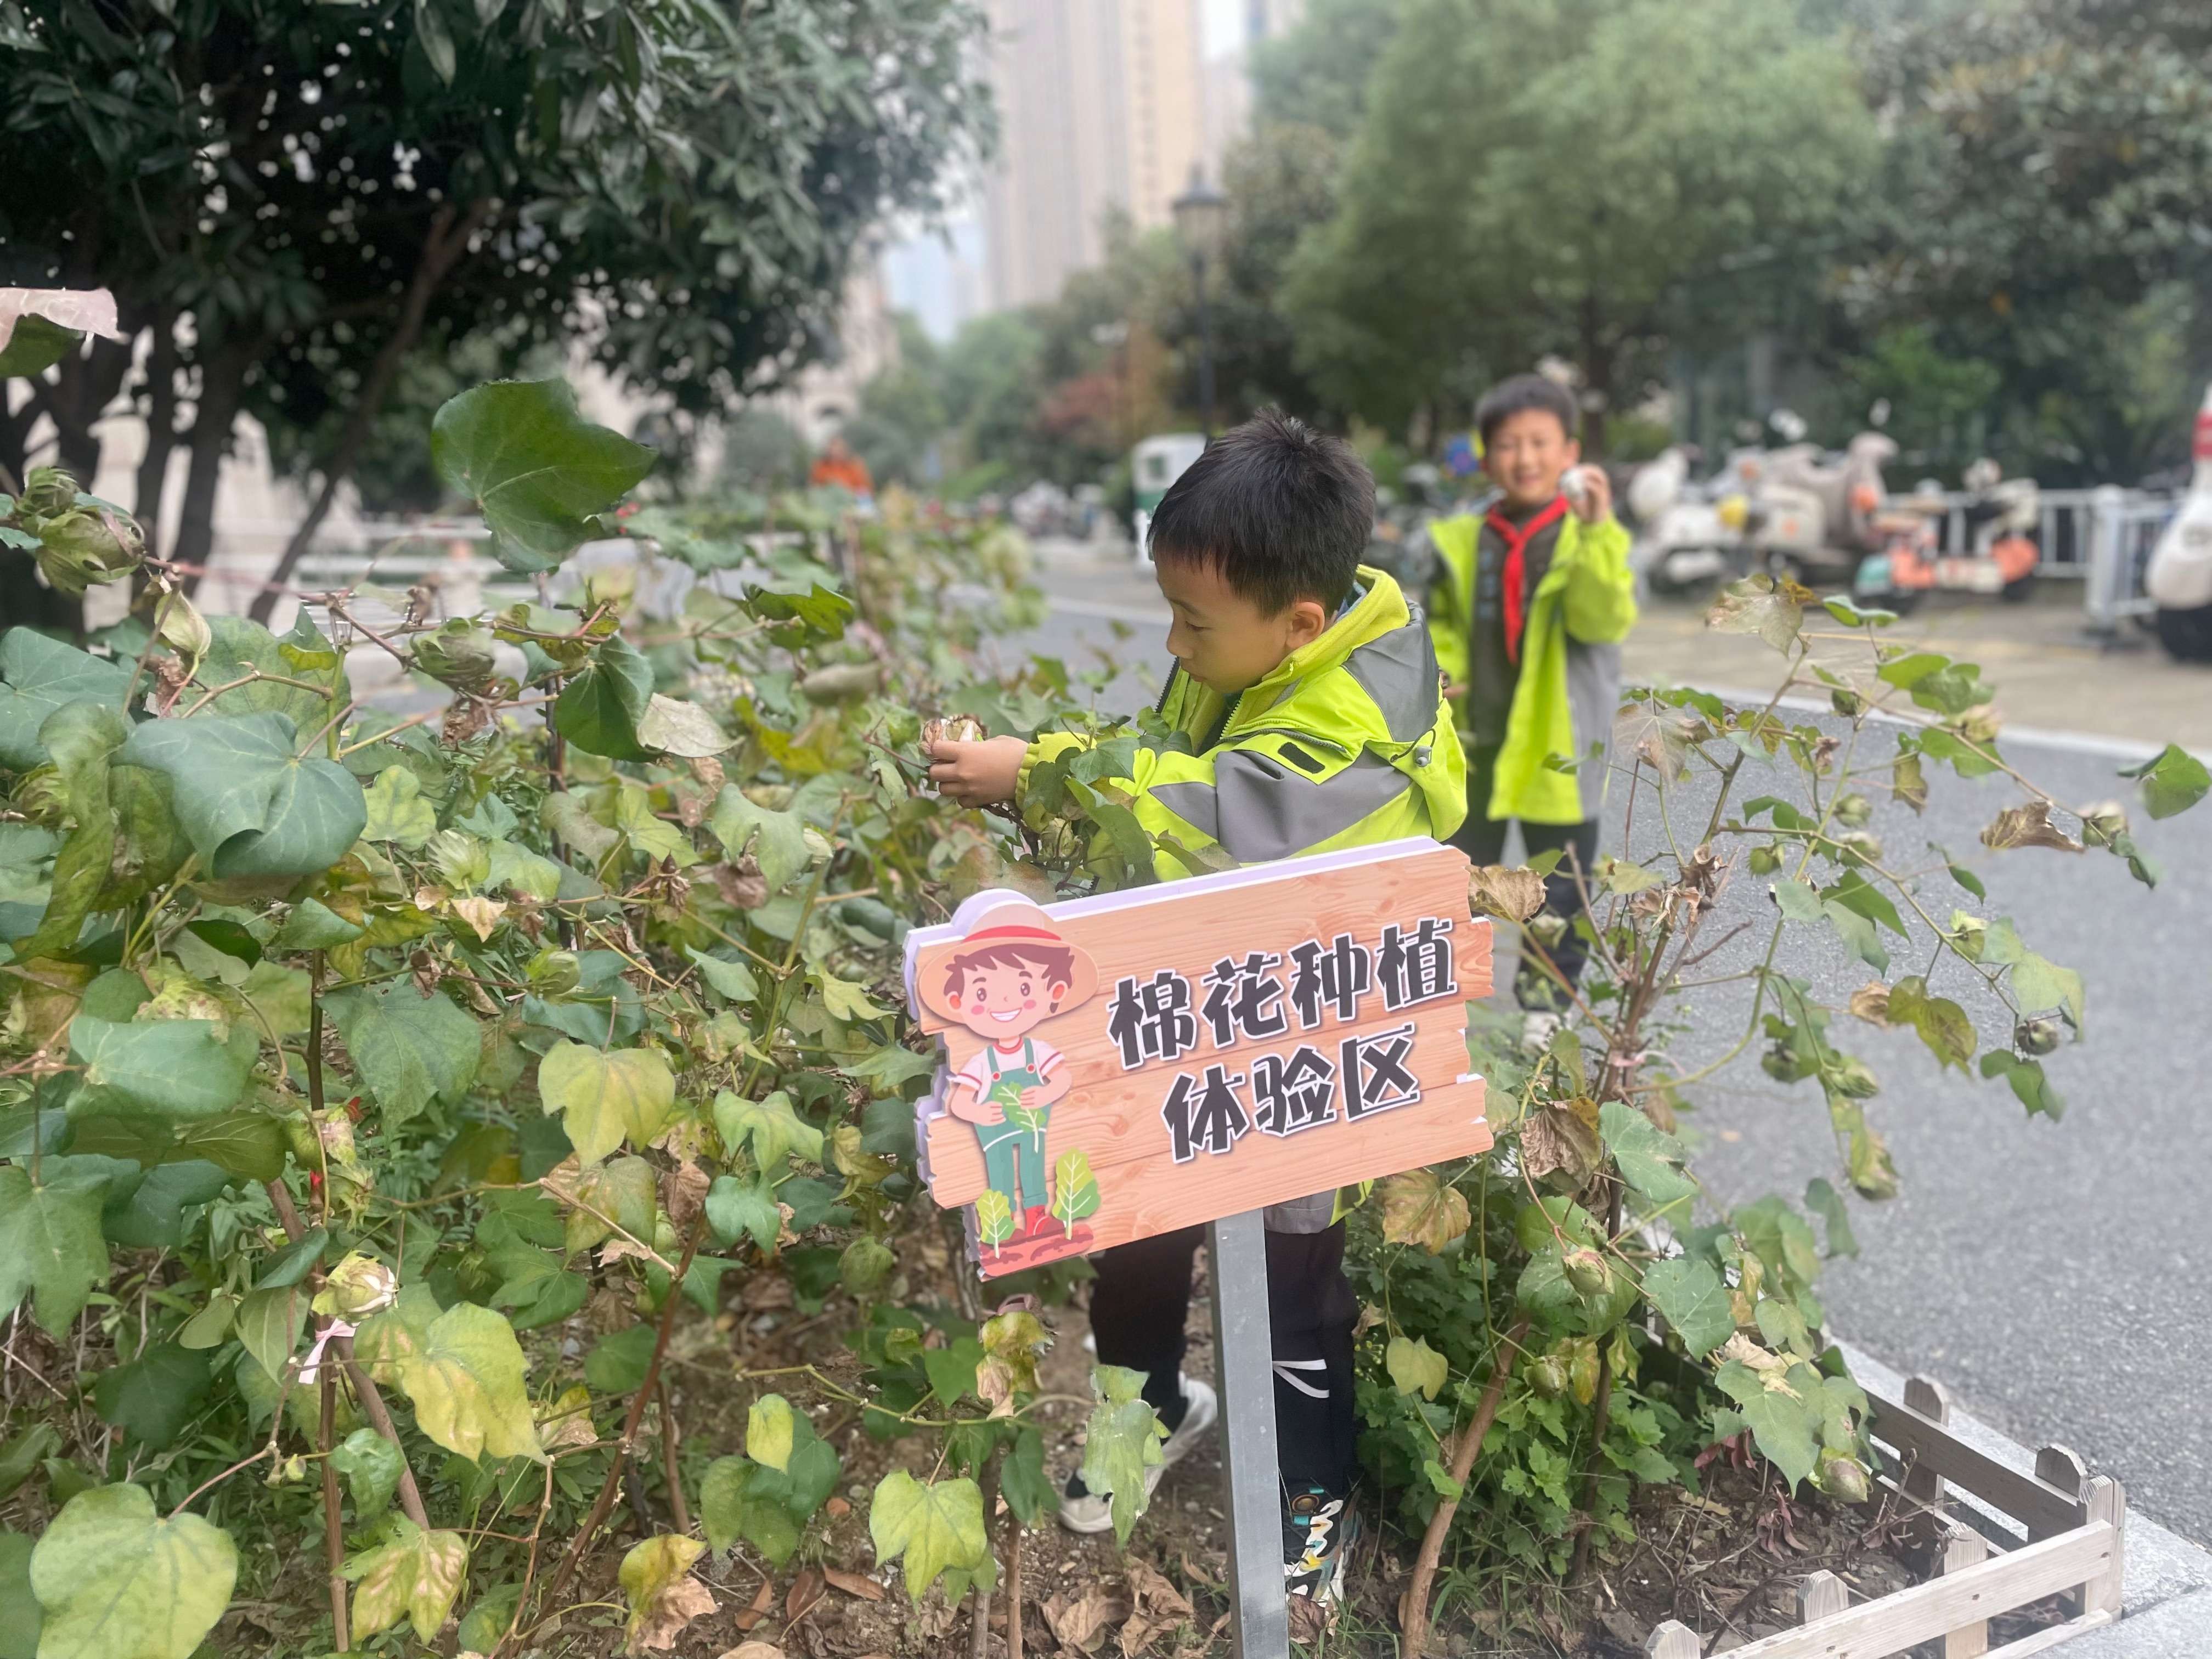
x=1538, y=1029
x=1083, y=1510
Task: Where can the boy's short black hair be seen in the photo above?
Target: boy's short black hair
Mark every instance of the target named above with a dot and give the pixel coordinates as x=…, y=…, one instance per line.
x=1282, y=510
x=1523, y=393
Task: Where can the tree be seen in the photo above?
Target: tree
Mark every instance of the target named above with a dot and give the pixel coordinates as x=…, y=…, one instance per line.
x=305, y=193
x=1316, y=72
x=1533, y=177
x=2043, y=212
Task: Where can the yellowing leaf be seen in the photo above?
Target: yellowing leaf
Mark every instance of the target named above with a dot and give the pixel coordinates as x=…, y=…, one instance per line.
x=1120, y=1442
x=396, y=810
x=771, y=1126
x=604, y=1096
x=934, y=1526
x=769, y=1431
x=417, y=1574
x=466, y=1383
x=663, y=1596
x=114, y=1581
x=1415, y=1366
x=1419, y=1208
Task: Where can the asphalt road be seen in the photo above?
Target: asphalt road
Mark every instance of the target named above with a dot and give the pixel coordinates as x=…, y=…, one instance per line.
x=2057, y=1277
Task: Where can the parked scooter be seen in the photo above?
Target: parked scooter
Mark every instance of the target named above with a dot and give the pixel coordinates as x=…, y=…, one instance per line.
x=1812, y=519
x=1689, y=534
x=2000, y=555
x=2180, y=576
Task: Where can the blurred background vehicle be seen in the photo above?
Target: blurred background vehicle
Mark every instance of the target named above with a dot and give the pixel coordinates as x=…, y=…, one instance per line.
x=2179, y=578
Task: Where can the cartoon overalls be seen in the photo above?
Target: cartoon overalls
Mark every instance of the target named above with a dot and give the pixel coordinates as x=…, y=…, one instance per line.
x=1019, y=1139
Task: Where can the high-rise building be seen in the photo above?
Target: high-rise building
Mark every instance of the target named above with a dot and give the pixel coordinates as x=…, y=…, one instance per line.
x=1101, y=106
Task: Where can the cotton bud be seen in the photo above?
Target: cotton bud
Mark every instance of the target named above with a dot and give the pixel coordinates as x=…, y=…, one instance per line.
x=356, y=1287
x=1586, y=1271
x=1765, y=860
x=1861, y=847
x=553, y=973
x=1968, y=934
x=87, y=546
x=954, y=728
x=1842, y=1478
x=866, y=1267
x=47, y=493
x=460, y=654
x=2104, y=823
x=1853, y=810
x=1548, y=1376
x=2039, y=1036
x=1547, y=928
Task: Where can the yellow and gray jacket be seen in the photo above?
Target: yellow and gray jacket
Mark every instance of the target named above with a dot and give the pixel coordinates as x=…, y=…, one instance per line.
x=1570, y=686
x=1347, y=742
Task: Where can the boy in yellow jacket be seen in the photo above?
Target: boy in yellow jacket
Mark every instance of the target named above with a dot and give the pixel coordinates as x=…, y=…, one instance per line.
x=1530, y=603
x=1308, y=687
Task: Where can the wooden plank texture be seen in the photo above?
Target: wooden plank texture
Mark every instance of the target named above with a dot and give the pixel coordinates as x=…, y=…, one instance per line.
x=2043, y=1640
x=1877, y=1629
x=2041, y=1508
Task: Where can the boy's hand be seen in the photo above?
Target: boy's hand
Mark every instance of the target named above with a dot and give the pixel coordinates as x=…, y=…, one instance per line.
x=1593, y=498
x=978, y=774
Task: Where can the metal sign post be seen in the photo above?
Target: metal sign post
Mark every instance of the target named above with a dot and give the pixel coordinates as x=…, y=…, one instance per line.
x=1244, y=1357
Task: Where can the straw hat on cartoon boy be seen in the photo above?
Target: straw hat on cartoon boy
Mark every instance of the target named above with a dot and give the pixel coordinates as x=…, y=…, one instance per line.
x=1016, y=932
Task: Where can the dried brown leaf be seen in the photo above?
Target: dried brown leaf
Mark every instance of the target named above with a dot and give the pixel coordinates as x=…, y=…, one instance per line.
x=1081, y=1624
x=805, y=1590
x=1870, y=1002
x=2027, y=825
x=1499, y=890
x=672, y=1609
x=854, y=1584
x=1556, y=1140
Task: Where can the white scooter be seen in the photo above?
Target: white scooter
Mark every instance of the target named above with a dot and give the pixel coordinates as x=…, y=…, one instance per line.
x=1689, y=536
x=2180, y=576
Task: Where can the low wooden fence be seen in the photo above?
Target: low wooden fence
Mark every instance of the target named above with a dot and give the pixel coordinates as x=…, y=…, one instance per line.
x=2002, y=1540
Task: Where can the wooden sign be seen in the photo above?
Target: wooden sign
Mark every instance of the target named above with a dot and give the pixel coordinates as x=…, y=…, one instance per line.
x=1126, y=1064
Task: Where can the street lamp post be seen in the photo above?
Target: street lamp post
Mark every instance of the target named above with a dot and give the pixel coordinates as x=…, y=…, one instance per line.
x=1201, y=218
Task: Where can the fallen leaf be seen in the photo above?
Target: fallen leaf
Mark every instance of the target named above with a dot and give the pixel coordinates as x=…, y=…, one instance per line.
x=616, y=1248
x=805, y=1591
x=753, y=1650
x=673, y=1608
x=758, y=1611
x=1193, y=1569
x=1081, y=1624
x=854, y=1584
x=1154, y=1594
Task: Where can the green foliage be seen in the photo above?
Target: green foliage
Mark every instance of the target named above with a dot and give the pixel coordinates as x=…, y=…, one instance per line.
x=936, y=1527
x=116, y=1581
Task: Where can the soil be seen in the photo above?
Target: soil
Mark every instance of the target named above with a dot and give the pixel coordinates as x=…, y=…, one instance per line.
x=1726, y=1563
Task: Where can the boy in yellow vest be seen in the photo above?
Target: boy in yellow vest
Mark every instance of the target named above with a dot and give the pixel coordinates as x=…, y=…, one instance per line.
x=1529, y=603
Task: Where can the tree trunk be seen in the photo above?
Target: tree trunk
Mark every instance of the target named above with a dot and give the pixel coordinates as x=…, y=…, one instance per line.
x=223, y=389
x=442, y=245
x=1597, y=380
x=161, y=429
x=88, y=384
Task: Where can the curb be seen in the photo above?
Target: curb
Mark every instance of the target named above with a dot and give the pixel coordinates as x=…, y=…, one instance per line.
x=2167, y=1598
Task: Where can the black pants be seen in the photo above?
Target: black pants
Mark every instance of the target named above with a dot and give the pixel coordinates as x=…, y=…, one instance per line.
x=1141, y=1303
x=1482, y=838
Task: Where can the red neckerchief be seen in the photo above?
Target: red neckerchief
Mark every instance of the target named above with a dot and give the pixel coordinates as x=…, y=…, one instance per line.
x=1515, y=576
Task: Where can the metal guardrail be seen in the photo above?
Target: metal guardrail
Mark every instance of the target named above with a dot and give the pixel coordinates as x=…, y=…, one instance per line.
x=2064, y=532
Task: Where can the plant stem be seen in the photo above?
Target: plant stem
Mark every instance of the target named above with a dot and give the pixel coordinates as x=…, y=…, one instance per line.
x=1414, y=1611
x=979, y=1615
x=605, y=1500
x=333, y=1533
x=679, y=1512
x=1013, y=1585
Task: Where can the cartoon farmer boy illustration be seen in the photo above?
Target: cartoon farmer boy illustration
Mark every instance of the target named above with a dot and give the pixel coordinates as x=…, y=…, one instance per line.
x=1009, y=975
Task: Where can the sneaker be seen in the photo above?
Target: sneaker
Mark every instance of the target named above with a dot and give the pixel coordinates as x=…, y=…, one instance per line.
x=1318, y=1533
x=1538, y=1029
x=1082, y=1510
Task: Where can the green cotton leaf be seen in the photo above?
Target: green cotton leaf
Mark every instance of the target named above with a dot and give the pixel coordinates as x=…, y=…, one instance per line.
x=268, y=1324
x=600, y=707
x=409, y=1050
x=2029, y=1085
x=1942, y=1024
x=35, y=344
x=1554, y=1302
x=417, y=1577
x=249, y=805
x=1852, y=616
x=2173, y=781
x=436, y=39
x=738, y=1209
x=239, y=647
x=951, y=1370
x=466, y=1383
x=777, y=840
x=1650, y=1159
x=1123, y=1440
x=1783, y=1326
x=621, y=1189
x=369, y=1464
x=1690, y=1297
x=1824, y=1201
x=1780, y=1238
x=1779, y=1420
x=116, y=1581
x=672, y=726
x=845, y=1000
x=39, y=675
x=537, y=469
x=769, y=1432
x=314, y=925
x=1857, y=934
x=891, y=1067
x=933, y=1525
x=155, y=1395
x=20, y=1619
x=618, y=1361
x=1798, y=901
x=2040, y=983
x=1415, y=1366
x=51, y=1247
x=521, y=871
x=396, y=810
x=152, y=1213
x=292, y=1264
x=1855, y=893
x=728, y=976
x=126, y=840
x=817, y=616
x=771, y=1126
x=604, y=1096
x=167, y=1068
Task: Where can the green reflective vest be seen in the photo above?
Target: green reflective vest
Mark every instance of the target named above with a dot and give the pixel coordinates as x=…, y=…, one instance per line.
x=1569, y=685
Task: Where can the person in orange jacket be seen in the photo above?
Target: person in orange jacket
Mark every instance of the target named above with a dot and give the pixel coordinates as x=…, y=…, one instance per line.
x=841, y=467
